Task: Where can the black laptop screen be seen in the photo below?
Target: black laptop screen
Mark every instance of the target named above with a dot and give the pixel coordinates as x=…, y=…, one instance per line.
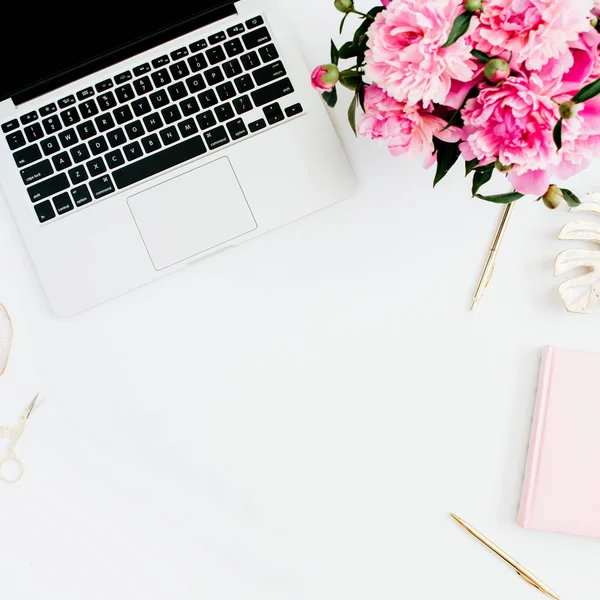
x=42, y=40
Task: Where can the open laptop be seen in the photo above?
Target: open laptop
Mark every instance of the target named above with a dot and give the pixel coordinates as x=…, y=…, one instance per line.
x=137, y=141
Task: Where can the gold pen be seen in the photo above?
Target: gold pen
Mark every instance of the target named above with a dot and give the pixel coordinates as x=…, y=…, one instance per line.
x=520, y=569
x=488, y=270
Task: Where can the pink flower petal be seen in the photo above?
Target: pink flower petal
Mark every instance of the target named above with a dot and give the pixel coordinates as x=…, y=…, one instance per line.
x=530, y=182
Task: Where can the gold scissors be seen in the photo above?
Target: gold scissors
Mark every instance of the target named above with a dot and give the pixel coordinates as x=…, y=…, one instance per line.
x=14, y=434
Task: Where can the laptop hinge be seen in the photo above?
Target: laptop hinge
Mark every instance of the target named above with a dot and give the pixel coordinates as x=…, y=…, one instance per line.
x=226, y=9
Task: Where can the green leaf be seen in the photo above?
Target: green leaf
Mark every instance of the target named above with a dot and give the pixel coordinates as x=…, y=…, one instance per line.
x=351, y=81
x=459, y=28
x=447, y=155
x=557, y=134
x=335, y=54
x=502, y=198
x=481, y=177
x=352, y=113
x=571, y=198
x=479, y=55
x=470, y=165
x=343, y=22
x=588, y=92
x=456, y=118
x=361, y=96
x=331, y=98
x=349, y=50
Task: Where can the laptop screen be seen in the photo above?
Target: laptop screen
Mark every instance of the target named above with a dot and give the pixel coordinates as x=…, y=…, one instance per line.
x=41, y=40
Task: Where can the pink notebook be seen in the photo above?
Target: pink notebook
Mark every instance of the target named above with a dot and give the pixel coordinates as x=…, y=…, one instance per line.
x=562, y=485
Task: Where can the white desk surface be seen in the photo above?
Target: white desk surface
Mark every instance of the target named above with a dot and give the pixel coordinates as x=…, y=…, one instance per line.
x=295, y=418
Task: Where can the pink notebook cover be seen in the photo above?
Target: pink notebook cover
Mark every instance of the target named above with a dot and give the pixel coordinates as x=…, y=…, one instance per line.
x=562, y=484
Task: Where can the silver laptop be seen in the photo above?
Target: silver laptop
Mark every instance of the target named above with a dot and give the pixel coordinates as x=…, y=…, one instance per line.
x=135, y=142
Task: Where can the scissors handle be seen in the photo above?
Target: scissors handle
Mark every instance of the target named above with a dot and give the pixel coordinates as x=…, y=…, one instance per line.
x=17, y=465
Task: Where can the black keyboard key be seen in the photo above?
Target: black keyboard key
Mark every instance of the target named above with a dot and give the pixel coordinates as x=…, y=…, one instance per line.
x=233, y=47
x=48, y=187
x=10, y=126
x=296, y=109
x=68, y=138
x=257, y=125
x=98, y=145
x=224, y=112
x=208, y=99
x=104, y=122
x=96, y=167
x=88, y=109
x=244, y=84
x=34, y=132
x=215, y=138
x=252, y=23
x=178, y=54
x=115, y=159
x=123, y=114
x=62, y=203
x=104, y=85
x=86, y=130
x=81, y=195
x=232, y=68
x=107, y=101
x=189, y=107
x=217, y=37
x=226, y=91
x=145, y=68
x=141, y=107
x=272, y=92
x=250, y=61
x=80, y=153
x=102, y=187
x=236, y=30
x=177, y=91
x=161, y=61
x=159, y=99
x=35, y=172
x=161, y=78
x=62, y=161
x=179, y=70
x=206, y=120
x=256, y=38
x=269, y=73
x=143, y=86
x=187, y=128
x=171, y=114
x=135, y=130
x=29, y=118
x=242, y=105
x=197, y=62
x=159, y=162
x=27, y=155
x=85, y=94
x=70, y=116
x=151, y=143
x=195, y=84
x=15, y=140
x=124, y=93
x=133, y=151
x=48, y=109
x=116, y=138
x=123, y=77
x=215, y=55
x=214, y=76
x=45, y=211
x=50, y=146
x=68, y=101
x=273, y=113
x=78, y=175
x=199, y=45
x=52, y=125
x=153, y=122
x=237, y=129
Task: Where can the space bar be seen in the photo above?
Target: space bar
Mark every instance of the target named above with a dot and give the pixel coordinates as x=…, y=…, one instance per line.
x=161, y=161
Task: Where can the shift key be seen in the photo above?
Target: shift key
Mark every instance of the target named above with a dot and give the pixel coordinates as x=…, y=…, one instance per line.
x=272, y=92
x=48, y=187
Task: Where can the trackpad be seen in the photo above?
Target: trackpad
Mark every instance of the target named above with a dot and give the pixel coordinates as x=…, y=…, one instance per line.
x=192, y=213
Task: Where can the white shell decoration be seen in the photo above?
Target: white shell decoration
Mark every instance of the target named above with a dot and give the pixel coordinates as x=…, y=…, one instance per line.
x=6, y=337
x=581, y=294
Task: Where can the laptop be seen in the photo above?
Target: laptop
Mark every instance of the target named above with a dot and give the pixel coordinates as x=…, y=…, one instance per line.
x=136, y=142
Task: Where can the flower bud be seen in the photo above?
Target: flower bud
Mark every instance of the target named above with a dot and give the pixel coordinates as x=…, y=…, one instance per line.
x=344, y=6
x=325, y=77
x=503, y=168
x=594, y=21
x=497, y=70
x=472, y=5
x=568, y=110
x=553, y=197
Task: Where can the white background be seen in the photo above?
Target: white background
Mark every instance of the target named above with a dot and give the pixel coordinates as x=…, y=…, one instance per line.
x=295, y=418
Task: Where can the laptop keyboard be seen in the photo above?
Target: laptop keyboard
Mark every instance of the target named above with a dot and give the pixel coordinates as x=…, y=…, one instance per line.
x=163, y=113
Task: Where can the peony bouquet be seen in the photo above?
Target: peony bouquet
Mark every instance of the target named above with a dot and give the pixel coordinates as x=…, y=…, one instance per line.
x=508, y=85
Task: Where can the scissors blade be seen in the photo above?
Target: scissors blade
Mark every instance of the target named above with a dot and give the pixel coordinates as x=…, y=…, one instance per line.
x=30, y=408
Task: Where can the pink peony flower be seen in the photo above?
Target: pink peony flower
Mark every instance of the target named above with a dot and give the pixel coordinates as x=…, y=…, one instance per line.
x=406, y=57
x=324, y=78
x=406, y=129
x=386, y=2
x=531, y=32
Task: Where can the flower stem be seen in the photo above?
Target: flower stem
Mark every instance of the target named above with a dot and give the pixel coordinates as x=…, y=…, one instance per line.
x=363, y=15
